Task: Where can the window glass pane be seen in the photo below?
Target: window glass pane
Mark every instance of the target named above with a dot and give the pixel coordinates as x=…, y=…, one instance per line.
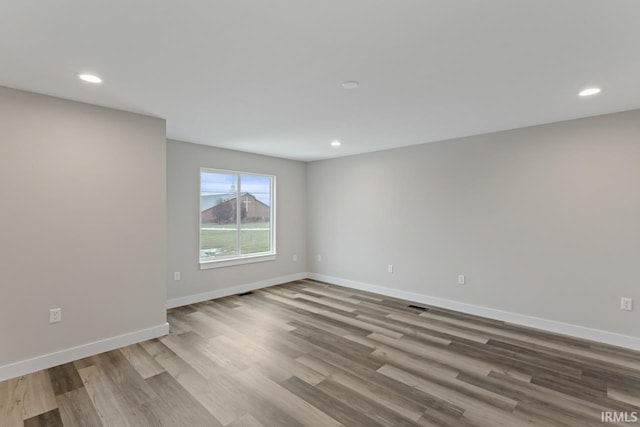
x=218, y=216
x=255, y=214
x=236, y=217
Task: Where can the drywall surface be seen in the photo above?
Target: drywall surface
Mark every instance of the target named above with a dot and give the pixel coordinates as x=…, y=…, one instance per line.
x=184, y=161
x=82, y=224
x=542, y=221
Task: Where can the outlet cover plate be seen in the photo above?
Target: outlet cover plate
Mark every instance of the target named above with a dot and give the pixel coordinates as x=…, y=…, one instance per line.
x=55, y=315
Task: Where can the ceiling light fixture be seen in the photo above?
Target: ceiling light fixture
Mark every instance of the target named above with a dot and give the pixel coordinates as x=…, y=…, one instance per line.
x=350, y=84
x=590, y=91
x=336, y=143
x=90, y=78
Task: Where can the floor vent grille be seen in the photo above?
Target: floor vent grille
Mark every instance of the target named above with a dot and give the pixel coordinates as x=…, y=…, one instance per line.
x=417, y=307
x=245, y=293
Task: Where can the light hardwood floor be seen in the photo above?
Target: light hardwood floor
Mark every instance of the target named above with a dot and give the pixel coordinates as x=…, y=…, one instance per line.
x=311, y=354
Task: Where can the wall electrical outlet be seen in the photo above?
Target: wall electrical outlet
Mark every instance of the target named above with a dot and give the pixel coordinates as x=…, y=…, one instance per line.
x=176, y=275
x=295, y=258
x=390, y=268
x=55, y=315
x=319, y=258
x=461, y=279
x=626, y=304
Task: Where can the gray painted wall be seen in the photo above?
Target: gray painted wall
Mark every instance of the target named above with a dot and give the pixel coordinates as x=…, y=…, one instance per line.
x=82, y=223
x=184, y=161
x=543, y=221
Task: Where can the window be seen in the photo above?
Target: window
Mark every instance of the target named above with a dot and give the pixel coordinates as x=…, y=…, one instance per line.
x=236, y=218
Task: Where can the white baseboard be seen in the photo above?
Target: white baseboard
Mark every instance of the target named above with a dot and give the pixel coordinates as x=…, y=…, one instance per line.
x=234, y=290
x=46, y=361
x=577, y=331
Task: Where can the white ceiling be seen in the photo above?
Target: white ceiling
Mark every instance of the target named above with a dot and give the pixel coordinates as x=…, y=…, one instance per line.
x=264, y=76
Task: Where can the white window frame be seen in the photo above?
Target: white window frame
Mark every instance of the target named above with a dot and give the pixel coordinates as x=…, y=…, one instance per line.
x=238, y=259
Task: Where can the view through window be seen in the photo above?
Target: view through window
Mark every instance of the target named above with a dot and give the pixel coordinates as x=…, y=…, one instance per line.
x=236, y=215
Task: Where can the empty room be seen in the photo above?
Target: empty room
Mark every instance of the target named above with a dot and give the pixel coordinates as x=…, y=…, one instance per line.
x=328, y=213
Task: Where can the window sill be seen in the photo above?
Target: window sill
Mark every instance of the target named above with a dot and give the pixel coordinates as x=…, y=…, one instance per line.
x=228, y=262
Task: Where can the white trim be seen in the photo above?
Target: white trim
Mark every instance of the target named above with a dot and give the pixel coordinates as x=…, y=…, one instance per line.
x=239, y=259
x=576, y=331
x=234, y=290
x=46, y=361
x=245, y=259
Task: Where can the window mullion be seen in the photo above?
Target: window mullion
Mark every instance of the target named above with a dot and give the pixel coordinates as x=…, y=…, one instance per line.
x=238, y=216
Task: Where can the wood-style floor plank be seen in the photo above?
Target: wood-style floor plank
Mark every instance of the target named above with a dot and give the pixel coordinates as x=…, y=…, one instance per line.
x=632, y=397
x=46, y=419
x=39, y=397
x=11, y=402
x=282, y=398
x=105, y=398
x=206, y=392
x=339, y=410
x=141, y=361
x=176, y=406
x=246, y=421
x=308, y=353
x=115, y=367
x=77, y=409
x=65, y=378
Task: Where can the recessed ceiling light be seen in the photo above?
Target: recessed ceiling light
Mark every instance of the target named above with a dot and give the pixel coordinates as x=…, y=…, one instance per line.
x=91, y=78
x=590, y=91
x=350, y=84
x=336, y=143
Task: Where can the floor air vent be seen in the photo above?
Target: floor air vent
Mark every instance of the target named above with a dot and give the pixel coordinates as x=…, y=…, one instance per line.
x=245, y=293
x=417, y=307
